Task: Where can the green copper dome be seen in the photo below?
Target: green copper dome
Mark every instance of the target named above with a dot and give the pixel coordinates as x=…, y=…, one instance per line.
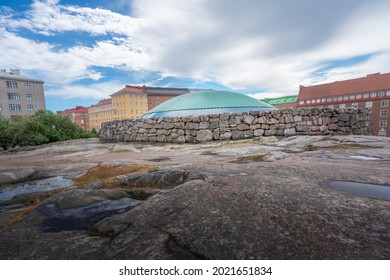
x=207, y=102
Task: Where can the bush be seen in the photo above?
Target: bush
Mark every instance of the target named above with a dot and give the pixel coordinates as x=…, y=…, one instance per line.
x=44, y=127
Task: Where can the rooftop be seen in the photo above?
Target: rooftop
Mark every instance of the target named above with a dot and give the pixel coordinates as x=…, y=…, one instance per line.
x=14, y=74
x=371, y=82
x=281, y=100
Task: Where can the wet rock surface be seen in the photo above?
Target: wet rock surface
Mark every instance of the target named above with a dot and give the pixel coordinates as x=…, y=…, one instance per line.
x=262, y=198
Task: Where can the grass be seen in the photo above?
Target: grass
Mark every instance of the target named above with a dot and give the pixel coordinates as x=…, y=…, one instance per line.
x=107, y=174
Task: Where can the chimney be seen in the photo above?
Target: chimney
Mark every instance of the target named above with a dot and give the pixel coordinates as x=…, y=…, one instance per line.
x=15, y=72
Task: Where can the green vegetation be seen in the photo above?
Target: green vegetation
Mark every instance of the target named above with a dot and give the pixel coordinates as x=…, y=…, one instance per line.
x=44, y=127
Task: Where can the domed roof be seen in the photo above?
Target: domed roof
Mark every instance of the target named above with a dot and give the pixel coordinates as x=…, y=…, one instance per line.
x=207, y=102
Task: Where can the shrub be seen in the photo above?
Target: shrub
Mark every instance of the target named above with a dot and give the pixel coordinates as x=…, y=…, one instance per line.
x=43, y=127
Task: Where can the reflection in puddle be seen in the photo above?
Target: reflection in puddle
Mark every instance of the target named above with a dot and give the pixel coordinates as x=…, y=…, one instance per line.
x=83, y=218
x=365, y=157
x=361, y=189
x=35, y=186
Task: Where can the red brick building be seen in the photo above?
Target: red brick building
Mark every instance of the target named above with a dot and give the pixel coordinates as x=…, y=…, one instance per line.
x=78, y=115
x=372, y=91
x=157, y=95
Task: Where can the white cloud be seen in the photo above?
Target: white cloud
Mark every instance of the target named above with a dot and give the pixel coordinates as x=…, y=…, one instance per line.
x=96, y=90
x=49, y=17
x=253, y=44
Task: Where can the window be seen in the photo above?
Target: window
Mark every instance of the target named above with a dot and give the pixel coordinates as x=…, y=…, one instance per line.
x=141, y=104
x=366, y=95
x=131, y=96
x=12, y=84
x=352, y=97
x=323, y=100
x=382, y=123
x=157, y=104
x=345, y=97
x=150, y=98
x=342, y=106
x=29, y=97
x=329, y=99
x=381, y=94
x=136, y=104
x=136, y=111
x=318, y=100
x=131, y=103
x=382, y=133
x=1, y=107
x=383, y=113
x=340, y=98
x=158, y=97
x=13, y=96
x=388, y=93
x=313, y=101
x=384, y=103
x=150, y=105
x=15, y=107
x=30, y=108
x=373, y=94
x=331, y=106
x=27, y=86
x=358, y=96
x=308, y=101
x=301, y=102
x=82, y=121
x=369, y=104
x=334, y=98
x=355, y=105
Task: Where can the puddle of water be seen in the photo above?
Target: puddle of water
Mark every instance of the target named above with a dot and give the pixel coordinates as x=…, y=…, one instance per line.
x=35, y=186
x=361, y=189
x=365, y=157
x=83, y=218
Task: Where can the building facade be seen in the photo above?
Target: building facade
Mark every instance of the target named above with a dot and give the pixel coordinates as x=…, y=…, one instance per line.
x=134, y=101
x=20, y=95
x=372, y=91
x=100, y=113
x=78, y=115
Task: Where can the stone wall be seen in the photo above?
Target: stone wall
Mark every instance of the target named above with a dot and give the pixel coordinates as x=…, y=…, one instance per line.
x=194, y=129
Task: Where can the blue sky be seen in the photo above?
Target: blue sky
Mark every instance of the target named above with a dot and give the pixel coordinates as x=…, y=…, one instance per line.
x=87, y=50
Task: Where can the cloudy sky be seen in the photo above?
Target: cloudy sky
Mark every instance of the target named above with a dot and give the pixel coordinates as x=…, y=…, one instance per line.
x=86, y=50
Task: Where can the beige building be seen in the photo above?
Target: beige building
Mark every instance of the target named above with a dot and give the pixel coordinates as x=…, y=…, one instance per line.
x=20, y=95
x=100, y=113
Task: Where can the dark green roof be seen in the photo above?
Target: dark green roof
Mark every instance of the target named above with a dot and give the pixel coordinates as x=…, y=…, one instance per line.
x=281, y=100
x=208, y=102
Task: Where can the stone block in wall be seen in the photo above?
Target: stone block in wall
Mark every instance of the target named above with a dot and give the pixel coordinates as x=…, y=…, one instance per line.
x=224, y=117
x=262, y=119
x=270, y=132
x=237, y=134
x=180, y=139
x=185, y=119
x=204, y=118
x=213, y=125
x=203, y=125
x=141, y=130
x=300, y=128
x=180, y=125
x=167, y=132
x=224, y=123
x=290, y=131
x=216, y=134
x=288, y=118
x=169, y=125
x=242, y=126
x=195, y=119
x=225, y=136
x=258, y=132
x=272, y=121
x=204, y=135
x=255, y=126
x=191, y=125
x=280, y=132
x=190, y=139
x=297, y=119
x=152, y=139
x=238, y=119
x=254, y=113
x=333, y=126
x=248, y=134
x=323, y=128
x=160, y=138
x=248, y=119
x=265, y=126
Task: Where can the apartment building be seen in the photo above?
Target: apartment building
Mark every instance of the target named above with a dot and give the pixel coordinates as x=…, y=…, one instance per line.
x=372, y=91
x=99, y=113
x=135, y=101
x=20, y=95
x=78, y=115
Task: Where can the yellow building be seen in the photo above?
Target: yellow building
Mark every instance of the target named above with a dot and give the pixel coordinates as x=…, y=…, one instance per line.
x=129, y=102
x=100, y=113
